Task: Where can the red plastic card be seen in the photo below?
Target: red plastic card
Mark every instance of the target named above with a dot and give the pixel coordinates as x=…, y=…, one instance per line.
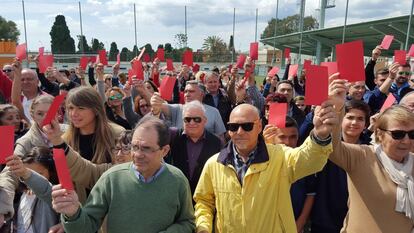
x=188, y=58
x=45, y=61
x=286, y=52
x=160, y=54
x=411, y=51
x=170, y=65
x=350, y=59
x=137, y=68
x=166, y=88
x=316, y=85
x=21, y=51
x=388, y=102
x=93, y=59
x=62, y=169
x=293, y=70
x=196, y=68
x=118, y=58
x=240, y=61
x=146, y=57
x=51, y=113
x=254, y=50
x=400, y=56
x=6, y=142
x=332, y=67
x=102, y=57
x=386, y=42
x=273, y=71
x=306, y=64
x=277, y=114
x=83, y=62
x=41, y=51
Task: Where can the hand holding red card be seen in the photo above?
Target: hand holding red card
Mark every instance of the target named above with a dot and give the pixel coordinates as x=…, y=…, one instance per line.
x=6, y=142
x=254, y=50
x=21, y=53
x=400, y=56
x=240, y=61
x=386, y=42
x=57, y=101
x=273, y=71
x=388, y=102
x=287, y=53
x=350, y=59
x=62, y=169
x=277, y=114
x=166, y=88
x=317, y=83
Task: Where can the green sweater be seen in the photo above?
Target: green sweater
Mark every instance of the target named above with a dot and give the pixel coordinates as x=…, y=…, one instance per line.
x=164, y=205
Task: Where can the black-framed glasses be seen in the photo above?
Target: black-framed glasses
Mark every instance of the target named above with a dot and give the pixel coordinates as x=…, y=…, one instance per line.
x=233, y=127
x=144, y=149
x=7, y=70
x=189, y=119
x=406, y=73
x=124, y=150
x=400, y=134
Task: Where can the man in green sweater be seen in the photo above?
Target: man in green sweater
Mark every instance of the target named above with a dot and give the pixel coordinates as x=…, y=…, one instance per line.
x=146, y=195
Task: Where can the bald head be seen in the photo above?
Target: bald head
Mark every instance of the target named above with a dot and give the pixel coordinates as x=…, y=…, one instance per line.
x=408, y=101
x=247, y=111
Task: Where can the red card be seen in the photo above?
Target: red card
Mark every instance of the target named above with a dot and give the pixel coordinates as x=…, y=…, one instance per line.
x=130, y=74
x=388, y=102
x=146, y=57
x=83, y=62
x=332, y=67
x=93, y=59
x=166, y=88
x=273, y=71
x=306, y=64
x=51, y=113
x=41, y=51
x=400, y=56
x=350, y=59
x=254, y=50
x=188, y=58
x=182, y=99
x=6, y=142
x=45, y=61
x=277, y=114
x=62, y=169
x=411, y=52
x=160, y=54
x=287, y=52
x=118, y=58
x=102, y=57
x=196, y=68
x=293, y=70
x=137, y=68
x=317, y=83
x=21, y=51
x=240, y=61
x=386, y=42
x=170, y=65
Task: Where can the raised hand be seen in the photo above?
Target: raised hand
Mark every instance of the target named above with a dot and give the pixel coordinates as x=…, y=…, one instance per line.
x=269, y=133
x=337, y=91
x=324, y=120
x=65, y=201
x=376, y=53
x=53, y=132
x=17, y=167
x=156, y=103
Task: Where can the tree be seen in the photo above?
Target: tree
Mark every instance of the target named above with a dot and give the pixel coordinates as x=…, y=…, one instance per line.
x=168, y=48
x=125, y=53
x=8, y=30
x=181, y=40
x=113, y=51
x=135, y=51
x=82, y=42
x=215, y=49
x=61, y=41
x=96, y=45
x=289, y=25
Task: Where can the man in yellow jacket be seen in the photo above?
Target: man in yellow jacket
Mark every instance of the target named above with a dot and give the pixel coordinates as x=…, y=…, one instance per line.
x=246, y=186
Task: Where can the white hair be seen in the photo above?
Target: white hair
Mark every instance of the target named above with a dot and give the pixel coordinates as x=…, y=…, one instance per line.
x=195, y=104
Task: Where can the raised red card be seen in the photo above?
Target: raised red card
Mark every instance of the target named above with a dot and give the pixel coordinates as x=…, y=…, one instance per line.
x=332, y=67
x=350, y=59
x=93, y=59
x=146, y=57
x=137, y=68
x=170, y=65
x=130, y=74
x=306, y=64
x=41, y=51
x=167, y=87
x=400, y=56
x=51, y=113
x=317, y=83
x=62, y=169
x=118, y=58
x=21, y=53
x=102, y=57
x=277, y=114
x=83, y=62
x=6, y=142
x=286, y=52
x=45, y=61
x=388, y=102
x=160, y=54
x=411, y=51
x=240, y=61
x=293, y=70
x=386, y=42
x=196, y=68
x=273, y=71
x=254, y=50
x=188, y=58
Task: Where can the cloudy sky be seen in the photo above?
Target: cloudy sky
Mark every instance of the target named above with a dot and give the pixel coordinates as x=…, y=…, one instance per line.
x=159, y=20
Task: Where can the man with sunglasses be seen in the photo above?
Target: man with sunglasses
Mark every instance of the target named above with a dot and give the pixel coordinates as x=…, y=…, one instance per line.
x=9, y=71
x=245, y=188
x=5, y=86
x=400, y=87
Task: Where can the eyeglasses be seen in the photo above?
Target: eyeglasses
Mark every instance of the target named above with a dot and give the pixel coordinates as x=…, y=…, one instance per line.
x=143, y=149
x=116, y=97
x=405, y=73
x=400, y=134
x=189, y=119
x=233, y=127
x=7, y=70
x=124, y=150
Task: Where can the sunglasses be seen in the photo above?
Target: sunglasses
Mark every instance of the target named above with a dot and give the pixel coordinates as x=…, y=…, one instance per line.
x=116, y=97
x=233, y=127
x=412, y=80
x=7, y=70
x=195, y=119
x=400, y=134
x=404, y=73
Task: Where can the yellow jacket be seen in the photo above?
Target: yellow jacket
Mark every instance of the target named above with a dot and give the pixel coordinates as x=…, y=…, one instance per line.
x=263, y=203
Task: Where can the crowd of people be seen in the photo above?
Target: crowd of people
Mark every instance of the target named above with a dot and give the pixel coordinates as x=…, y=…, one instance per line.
x=207, y=159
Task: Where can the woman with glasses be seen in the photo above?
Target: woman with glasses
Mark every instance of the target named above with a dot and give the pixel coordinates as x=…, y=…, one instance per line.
x=380, y=177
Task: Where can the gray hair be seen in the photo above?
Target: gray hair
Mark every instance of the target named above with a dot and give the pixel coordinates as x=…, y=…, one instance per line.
x=209, y=74
x=195, y=104
x=27, y=70
x=198, y=84
x=402, y=101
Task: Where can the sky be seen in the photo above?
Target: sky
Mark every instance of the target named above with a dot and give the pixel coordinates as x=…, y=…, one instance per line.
x=158, y=21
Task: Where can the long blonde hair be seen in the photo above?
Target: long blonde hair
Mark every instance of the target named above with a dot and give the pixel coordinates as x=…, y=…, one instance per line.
x=104, y=139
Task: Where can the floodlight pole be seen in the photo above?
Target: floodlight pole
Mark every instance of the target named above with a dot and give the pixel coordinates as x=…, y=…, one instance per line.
x=25, y=32
x=274, y=34
x=81, y=30
x=233, y=55
x=255, y=30
x=302, y=15
x=346, y=18
x=409, y=26
x=135, y=29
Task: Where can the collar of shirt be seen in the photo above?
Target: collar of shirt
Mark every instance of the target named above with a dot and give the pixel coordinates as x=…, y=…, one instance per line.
x=199, y=140
x=237, y=159
x=152, y=178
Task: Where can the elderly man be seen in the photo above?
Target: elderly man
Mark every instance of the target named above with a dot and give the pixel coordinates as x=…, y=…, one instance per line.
x=193, y=91
x=245, y=188
x=133, y=195
x=9, y=71
x=193, y=145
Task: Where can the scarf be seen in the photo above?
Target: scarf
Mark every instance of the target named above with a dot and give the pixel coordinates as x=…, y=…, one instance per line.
x=401, y=175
